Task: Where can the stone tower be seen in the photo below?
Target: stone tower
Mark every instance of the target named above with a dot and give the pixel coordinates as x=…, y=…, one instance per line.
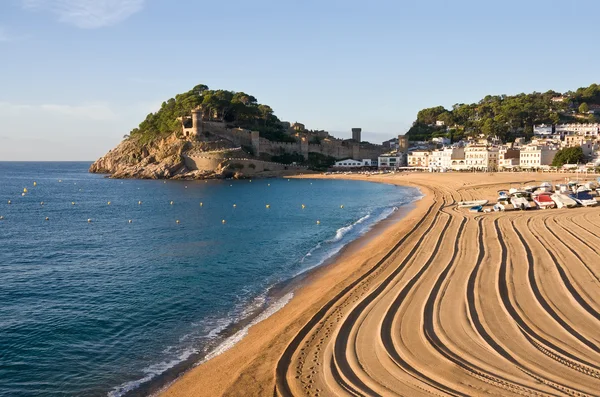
x=255, y=136
x=197, y=121
x=403, y=149
x=402, y=144
x=356, y=134
x=304, y=147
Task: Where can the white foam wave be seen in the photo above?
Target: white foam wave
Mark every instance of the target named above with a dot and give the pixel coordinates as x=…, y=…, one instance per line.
x=238, y=336
x=341, y=232
x=151, y=372
x=156, y=369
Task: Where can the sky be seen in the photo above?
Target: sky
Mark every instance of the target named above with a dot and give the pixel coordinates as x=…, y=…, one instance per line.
x=77, y=75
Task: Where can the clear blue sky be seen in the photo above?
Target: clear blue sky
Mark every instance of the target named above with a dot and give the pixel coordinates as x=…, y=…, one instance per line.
x=76, y=75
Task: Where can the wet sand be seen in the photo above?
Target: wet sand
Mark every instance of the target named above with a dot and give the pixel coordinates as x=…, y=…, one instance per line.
x=442, y=302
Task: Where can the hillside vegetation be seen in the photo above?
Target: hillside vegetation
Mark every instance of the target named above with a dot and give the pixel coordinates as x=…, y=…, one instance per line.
x=236, y=108
x=506, y=116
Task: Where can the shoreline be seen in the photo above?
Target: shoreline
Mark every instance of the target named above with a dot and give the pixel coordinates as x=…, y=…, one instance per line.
x=301, y=285
x=277, y=297
x=336, y=318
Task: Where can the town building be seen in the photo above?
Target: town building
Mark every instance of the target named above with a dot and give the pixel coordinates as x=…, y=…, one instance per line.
x=418, y=158
x=441, y=140
x=587, y=145
x=543, y=130
x=389, y=161
x=508, y=158
x=351, y=163
x=536, y=156
x=481, y=157
x=587, y=129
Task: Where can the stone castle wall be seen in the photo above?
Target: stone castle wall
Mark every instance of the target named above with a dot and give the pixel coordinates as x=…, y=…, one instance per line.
x=337, y=149
x=248, y=167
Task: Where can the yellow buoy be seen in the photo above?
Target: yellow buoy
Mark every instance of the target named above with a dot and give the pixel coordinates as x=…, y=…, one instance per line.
x=130, y=221
x=177, y=221
x=318, y=222
x=342, y=206
x=139, y=203
x=201, y=204
x=171, y=203
x=24, y=190
x=108, y=203
x=34, y=183
x=9, y=202
x=268, y=205
x=1, y=218
x=47, y=218
x=223, y=221
x=268, y=184
x=89, y=221
x=42, y=203
x=72, y=202
x=303, y=206
x=235, y=205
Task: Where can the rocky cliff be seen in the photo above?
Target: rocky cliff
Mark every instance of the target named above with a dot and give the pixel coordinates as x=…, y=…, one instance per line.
x=161, y=159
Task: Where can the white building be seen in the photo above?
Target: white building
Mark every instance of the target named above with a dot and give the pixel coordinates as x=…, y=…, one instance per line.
x=589, y=129
x=536, y=156
x=389, y=161
x=435, y=160
x=418, y=158
x=350, y=163
x=543, y=130
x=481, y=157
x=441, y=140
x=587, y=145
x=508, y=158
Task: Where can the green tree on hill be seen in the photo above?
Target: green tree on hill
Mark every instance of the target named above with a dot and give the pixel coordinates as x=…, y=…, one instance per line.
x=238, y=108
x=584, y=108
x=570, y=155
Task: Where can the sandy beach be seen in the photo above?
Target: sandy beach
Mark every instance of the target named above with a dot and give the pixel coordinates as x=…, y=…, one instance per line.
x=442, y=302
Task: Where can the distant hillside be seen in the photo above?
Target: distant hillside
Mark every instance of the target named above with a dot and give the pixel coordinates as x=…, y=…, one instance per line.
x=506, y=116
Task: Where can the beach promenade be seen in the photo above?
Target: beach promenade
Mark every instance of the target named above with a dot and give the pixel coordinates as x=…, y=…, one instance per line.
x=443, y=303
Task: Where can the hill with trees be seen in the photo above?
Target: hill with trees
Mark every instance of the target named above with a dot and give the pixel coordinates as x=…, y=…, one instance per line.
x=506, y=116
x=236, y=108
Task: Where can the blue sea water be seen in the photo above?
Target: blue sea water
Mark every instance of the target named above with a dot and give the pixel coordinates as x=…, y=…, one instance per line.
x=99, y=308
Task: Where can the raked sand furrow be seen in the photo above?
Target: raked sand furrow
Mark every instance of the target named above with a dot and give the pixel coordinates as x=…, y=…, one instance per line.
x=543, y=332
x=549, y=291
x=442, y=303
x=571, y=264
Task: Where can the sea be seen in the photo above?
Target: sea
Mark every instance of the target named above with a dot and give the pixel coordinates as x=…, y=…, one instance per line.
x=111, y=287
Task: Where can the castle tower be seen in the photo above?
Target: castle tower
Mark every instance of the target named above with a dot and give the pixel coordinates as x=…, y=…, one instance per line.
x=255, y=142
x=197, y=121
x=356, y=134
x=304, y=147
x=402, y=143
x=403, y=149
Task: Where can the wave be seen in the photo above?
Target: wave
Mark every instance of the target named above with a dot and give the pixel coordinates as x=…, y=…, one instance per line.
x=151, y=372
x=341, y=232
x=238, y=336
x=322, y=251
